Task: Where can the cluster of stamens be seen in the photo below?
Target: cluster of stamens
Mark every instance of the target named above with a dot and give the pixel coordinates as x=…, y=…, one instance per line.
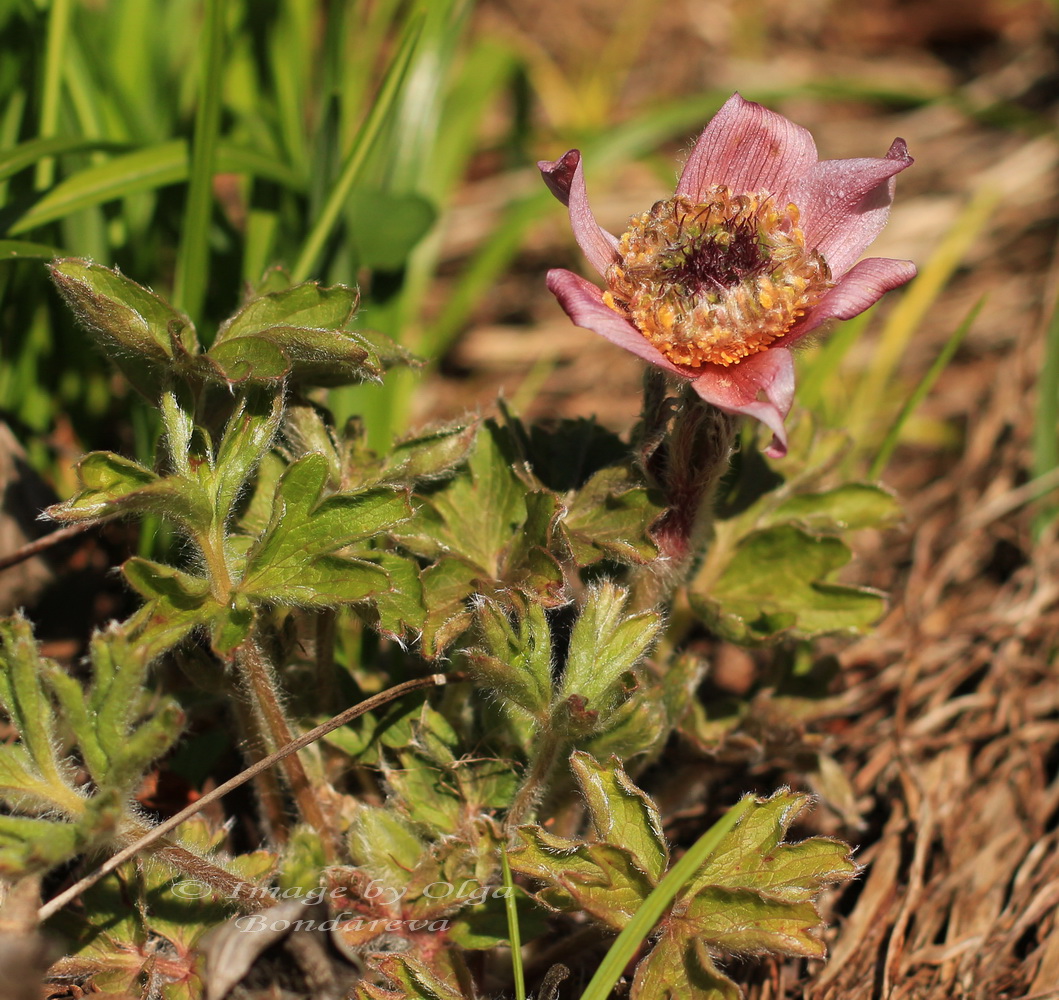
x=716, y=281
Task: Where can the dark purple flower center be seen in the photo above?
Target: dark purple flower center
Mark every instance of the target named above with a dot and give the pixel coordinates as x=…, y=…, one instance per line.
x=714, y=262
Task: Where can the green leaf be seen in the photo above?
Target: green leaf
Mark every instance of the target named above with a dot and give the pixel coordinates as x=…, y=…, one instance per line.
x=611, y=517
x=116, y=726
x=113, y=486
x=621, y=813
x=744, y=921
x=846, y=508
x=143, y=170
x=303, y=331
x=247, y=439
x=248, y=359
x=424, y=458
x=293, y=562
x=300, y=307
x=34, y=845
x=385, y=844
x=529, y=562
x=516, y=658
x=679, y=968
x=398, y=611
x=777, y=583
x=27, y=250
x=231, y=626
x=604, y=880
x=605, y=644
x=386, y=226
x=484, y=927
x=446, y=586
x=26, y=154
x=410, y=980
x=740, y=890
x=119, y=177
x=136, y=328
x=155, y=581
x=119, y=730
x=479, y=514
x=32, y=765
x=754, y=854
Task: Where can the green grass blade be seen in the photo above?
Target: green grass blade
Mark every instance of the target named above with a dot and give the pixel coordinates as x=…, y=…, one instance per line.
x=906, y=316
x=143, y=170
x=291, y=60
x=25, y=154
x=140, y=171
x=22, y=249
x=920, y=392
x=313, y=248
x=189, y=291
x=822, y=368
x=1046, y=424
x=513, y=935
x=652, y=908
x=54, y=61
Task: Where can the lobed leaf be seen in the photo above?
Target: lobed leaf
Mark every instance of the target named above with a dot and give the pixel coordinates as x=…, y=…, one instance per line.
x=611, y=517
x=850, y=507
x=621, y=813
x=293, y=562
x=139, y=330
x=679, y=967
x=410, y=979
x=604, y=880
x=302, y=332
x=516, y=658
x=605, y=644
x=112, y=486
x=776, y=583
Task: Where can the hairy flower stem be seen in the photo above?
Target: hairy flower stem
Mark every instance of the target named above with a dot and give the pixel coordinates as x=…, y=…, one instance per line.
x=549, y=748
x=266, y=785
x=260, y=682
x=686, y=465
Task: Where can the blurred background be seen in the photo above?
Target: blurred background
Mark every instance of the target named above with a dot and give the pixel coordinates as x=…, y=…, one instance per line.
x=391, y=144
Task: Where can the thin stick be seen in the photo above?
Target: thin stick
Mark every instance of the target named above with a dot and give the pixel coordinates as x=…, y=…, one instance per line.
x=53, y=906
x=30, y=549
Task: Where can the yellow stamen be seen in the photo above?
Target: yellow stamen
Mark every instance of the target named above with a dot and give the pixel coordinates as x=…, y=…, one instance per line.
x=717, y=281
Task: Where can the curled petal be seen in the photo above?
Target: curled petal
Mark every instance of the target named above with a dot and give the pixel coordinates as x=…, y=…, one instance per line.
x=583, y=303
x=738, y=388
x=566, y=180
x=844, y=204
x=748, y=148
x=861, y=287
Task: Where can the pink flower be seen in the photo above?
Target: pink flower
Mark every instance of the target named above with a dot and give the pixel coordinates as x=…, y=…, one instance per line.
x=758, y=246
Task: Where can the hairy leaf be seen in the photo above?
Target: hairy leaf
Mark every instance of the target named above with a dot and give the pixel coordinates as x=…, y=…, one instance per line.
x=776, y=583
x=139, y=330
x=294, y=563
x=605, y=644
x=611, y=517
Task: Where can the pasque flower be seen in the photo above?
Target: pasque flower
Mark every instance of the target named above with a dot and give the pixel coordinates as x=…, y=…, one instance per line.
x=758, y=246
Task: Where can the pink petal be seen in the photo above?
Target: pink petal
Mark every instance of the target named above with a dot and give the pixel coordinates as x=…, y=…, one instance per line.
x=861, y=287
x=845, y=203
x=736, y=389
x=748, y=148
x=583, y=303
x=566, y=180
